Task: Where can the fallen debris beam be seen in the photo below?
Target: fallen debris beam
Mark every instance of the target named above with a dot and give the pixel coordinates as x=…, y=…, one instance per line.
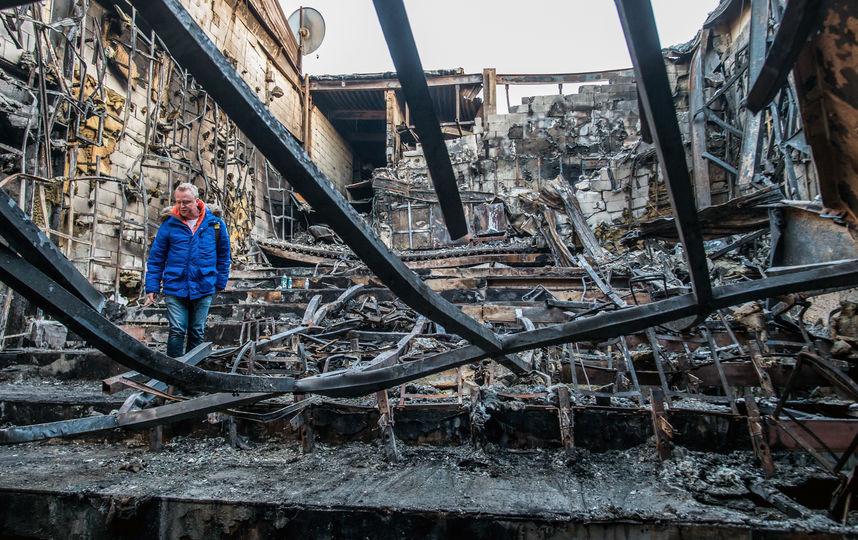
x=758, y=440
x=391, y=356
x=193, y=49
x=657, y=102
x=403, y=50
x=661, y=428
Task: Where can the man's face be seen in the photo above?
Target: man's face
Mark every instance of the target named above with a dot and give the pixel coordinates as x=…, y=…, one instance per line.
x=187, y=205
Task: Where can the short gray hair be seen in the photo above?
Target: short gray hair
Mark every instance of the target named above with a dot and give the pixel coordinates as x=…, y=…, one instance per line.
x=187, y=186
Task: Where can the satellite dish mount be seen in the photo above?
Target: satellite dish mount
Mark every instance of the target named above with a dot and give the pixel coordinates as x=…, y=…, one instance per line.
x=308, y=27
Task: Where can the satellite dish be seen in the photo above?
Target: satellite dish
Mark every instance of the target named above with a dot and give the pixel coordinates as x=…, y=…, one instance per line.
x=308, y=26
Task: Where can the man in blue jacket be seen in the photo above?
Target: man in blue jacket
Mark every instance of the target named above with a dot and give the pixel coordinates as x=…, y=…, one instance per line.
x=190, y=257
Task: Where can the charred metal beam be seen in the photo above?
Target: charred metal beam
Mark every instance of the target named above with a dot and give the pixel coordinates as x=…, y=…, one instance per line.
x=657, y=101
x=601, y=326
x=193, y=49
x=635, y=319
x=403, y=50
x=83, y=320
x=562, y=78
x=360, y=383
x=30, y=242
x=156, y=416
x=800, y=19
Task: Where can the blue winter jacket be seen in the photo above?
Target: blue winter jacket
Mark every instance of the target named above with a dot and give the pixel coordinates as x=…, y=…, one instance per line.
x=189, y=264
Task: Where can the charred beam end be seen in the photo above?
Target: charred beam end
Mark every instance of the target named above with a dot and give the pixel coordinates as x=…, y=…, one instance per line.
x=604, y=325
x=193, y=49
x=26, y=238
x=800, y=19
x=644, y=47
x=403, y=50
x=4, y=4
x=83, y=320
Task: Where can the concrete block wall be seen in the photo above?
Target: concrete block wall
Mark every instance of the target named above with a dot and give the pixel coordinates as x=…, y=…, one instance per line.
x=330, y=152
x=592, y=138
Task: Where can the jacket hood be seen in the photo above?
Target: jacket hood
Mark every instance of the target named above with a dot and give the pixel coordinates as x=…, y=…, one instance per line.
x=166, y=212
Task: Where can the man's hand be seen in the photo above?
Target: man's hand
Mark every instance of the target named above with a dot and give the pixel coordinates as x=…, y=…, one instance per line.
x=151, y=298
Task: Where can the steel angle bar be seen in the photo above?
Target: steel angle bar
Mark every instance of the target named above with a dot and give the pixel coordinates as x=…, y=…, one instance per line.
x=194, y=50
x=403, y=50
x=26, y=238
x=799, y=20
x=165, y=414
x=642, y=38
x=114, y=384
x=601, y=326
x=83, y=320
x=139, y=399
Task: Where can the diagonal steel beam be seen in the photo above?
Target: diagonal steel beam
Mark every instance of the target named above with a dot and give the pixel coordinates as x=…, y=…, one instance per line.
x=83, y=320
x=409, y=69
x=26, y=238
x=194, y=50
x=642, y=38
x=601, y=326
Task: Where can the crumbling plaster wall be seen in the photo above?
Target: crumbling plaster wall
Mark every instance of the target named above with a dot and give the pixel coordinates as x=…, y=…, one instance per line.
x=592, y=138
